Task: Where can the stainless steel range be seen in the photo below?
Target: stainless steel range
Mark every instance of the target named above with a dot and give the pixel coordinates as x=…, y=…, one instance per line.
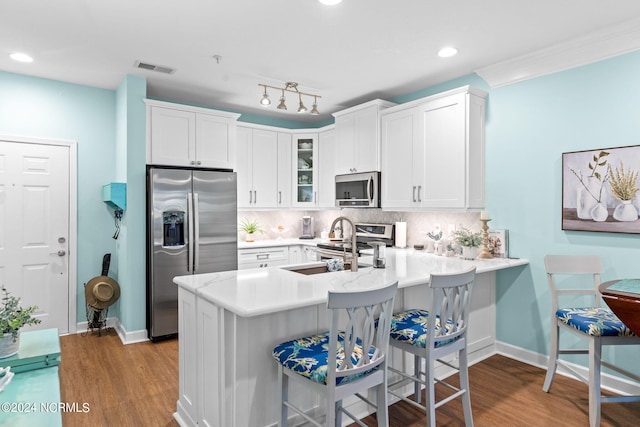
x=365, y=233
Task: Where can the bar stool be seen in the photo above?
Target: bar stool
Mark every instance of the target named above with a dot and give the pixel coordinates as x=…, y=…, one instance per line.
x=348, y=359
x=432, y=334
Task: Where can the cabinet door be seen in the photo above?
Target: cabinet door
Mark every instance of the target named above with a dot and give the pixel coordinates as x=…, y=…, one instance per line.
x=327, y=154
x=173, y=137
x=366, y=140
x=243, y=167
x=444, y=157
x=305, y=156
x=345, y=134
x=214, y=148
x=265, y=168
x=399, y=135
x=285, y=170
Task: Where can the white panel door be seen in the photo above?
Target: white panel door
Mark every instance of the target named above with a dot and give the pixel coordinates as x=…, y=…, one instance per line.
x=34, y=229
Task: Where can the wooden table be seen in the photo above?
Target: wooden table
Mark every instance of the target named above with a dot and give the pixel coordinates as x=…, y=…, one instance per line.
x=623, y=297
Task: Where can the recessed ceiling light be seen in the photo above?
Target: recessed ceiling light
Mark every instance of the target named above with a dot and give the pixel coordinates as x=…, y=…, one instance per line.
x=330, y=2
x=21, y=57
x=446, y=52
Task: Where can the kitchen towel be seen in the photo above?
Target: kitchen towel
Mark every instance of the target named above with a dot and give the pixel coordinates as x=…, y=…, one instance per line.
x=401, y=234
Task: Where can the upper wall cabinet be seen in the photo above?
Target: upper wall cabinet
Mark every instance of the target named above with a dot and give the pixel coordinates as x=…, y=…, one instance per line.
x=357, y=133
x=433, y=152
x=257, y=151
x=180, y=135
x=327, y=154
x=305, y=158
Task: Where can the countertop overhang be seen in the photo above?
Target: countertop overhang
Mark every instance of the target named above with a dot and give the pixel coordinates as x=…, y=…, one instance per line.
x=255, y=292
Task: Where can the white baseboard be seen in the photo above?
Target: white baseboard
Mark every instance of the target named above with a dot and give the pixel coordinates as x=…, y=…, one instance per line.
x=610, y=382
x=125, y=337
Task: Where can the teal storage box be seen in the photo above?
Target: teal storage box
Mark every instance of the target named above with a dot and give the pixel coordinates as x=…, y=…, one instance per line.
x=115, y=195
x=38, y=349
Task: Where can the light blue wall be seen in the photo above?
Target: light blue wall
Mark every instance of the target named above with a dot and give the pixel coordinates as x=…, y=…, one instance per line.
x=55, y=110
x=131, y=161
x=530, y=125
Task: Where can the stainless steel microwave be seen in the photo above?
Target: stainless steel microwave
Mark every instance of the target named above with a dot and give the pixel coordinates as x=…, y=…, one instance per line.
x=358, y=190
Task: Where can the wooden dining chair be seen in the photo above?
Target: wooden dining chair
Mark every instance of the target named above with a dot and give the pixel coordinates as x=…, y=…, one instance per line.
x=594, y=323
x=430, y=335
x=347, y=360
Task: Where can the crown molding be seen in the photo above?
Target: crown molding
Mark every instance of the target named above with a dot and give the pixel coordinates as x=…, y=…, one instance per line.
x=602, y=44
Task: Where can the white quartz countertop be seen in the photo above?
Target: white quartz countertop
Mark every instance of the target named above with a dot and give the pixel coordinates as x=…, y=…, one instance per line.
x=259, y=291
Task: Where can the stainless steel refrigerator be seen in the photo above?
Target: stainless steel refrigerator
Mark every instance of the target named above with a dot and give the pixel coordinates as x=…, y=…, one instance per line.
x=191, y=228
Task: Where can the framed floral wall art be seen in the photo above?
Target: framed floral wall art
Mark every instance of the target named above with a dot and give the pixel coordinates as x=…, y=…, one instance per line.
x=600, y=190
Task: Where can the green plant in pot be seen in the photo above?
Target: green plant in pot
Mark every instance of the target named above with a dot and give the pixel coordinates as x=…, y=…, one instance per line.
x=250, y=227
x=12, y=318
x=469, y=240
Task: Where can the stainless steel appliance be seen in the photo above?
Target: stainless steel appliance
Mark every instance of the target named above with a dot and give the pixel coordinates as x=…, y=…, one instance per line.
x=358, y=190
x=365, y=233
x=308, y=231
x=191, y=228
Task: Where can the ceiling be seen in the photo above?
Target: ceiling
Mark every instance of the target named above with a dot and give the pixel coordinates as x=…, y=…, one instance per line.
x=348, y=54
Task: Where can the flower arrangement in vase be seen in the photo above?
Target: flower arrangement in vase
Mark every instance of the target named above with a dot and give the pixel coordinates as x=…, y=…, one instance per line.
x=250, y=227
x=434, y=245
x=469, y=241
x=623, y=185
x=12, y=318
x=590, y=204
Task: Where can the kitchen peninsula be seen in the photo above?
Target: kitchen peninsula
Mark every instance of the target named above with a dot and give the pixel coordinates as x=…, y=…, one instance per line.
x=230, y=321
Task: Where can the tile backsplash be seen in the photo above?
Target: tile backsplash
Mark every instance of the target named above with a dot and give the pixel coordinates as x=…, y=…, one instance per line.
x=418, y=223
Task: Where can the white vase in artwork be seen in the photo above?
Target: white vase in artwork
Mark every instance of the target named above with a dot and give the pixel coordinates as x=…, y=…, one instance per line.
x=587, y=197
x=8, y=347
x=625, y=211
x=599, y=213
x=469, y=252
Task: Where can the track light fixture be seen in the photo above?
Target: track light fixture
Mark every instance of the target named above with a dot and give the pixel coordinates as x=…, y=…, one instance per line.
x=289, y=87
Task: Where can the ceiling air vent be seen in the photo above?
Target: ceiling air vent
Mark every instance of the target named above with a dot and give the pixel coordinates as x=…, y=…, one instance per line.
x=152, y=67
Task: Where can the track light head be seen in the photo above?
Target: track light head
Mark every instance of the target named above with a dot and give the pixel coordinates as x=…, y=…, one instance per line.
x=265, y=101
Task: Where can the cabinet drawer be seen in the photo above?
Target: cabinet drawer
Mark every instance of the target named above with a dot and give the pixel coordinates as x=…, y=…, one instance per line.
x=263, y=254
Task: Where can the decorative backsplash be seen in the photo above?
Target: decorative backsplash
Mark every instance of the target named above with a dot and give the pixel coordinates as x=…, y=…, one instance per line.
x=418, y=223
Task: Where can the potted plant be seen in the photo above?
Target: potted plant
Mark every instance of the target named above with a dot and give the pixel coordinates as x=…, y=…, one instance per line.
x=624, y=186
x=250, y=227
x=469, y=241
x=12, y=318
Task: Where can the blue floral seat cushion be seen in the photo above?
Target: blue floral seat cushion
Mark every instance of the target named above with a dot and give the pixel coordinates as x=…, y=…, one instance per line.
x=411, y=327
x=308, y=357
x=593, y=321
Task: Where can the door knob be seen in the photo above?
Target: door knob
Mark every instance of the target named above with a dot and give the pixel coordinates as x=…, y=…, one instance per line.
x=61, y=252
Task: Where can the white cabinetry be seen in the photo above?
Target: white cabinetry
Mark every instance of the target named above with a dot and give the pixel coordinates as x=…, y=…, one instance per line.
x=305, y=158
x=327, y=152
x=263, y=257
x=257, y=168
x=179, y=135
x=433, y=152
x=358, y=136
x=285, y=170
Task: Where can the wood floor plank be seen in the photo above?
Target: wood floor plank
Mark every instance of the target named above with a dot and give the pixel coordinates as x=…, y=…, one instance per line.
x=137, y=385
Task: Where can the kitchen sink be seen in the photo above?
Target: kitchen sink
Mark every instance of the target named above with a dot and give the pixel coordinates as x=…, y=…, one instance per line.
x=319, y=268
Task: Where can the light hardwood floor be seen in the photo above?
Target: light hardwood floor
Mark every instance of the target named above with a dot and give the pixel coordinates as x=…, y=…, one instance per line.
x=137, y=385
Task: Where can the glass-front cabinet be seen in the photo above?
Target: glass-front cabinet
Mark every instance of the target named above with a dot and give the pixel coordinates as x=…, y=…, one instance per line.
x=305, y=155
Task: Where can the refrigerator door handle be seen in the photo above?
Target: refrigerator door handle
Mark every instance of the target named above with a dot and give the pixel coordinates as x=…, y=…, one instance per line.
x=196, y=233
x=191, y=220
